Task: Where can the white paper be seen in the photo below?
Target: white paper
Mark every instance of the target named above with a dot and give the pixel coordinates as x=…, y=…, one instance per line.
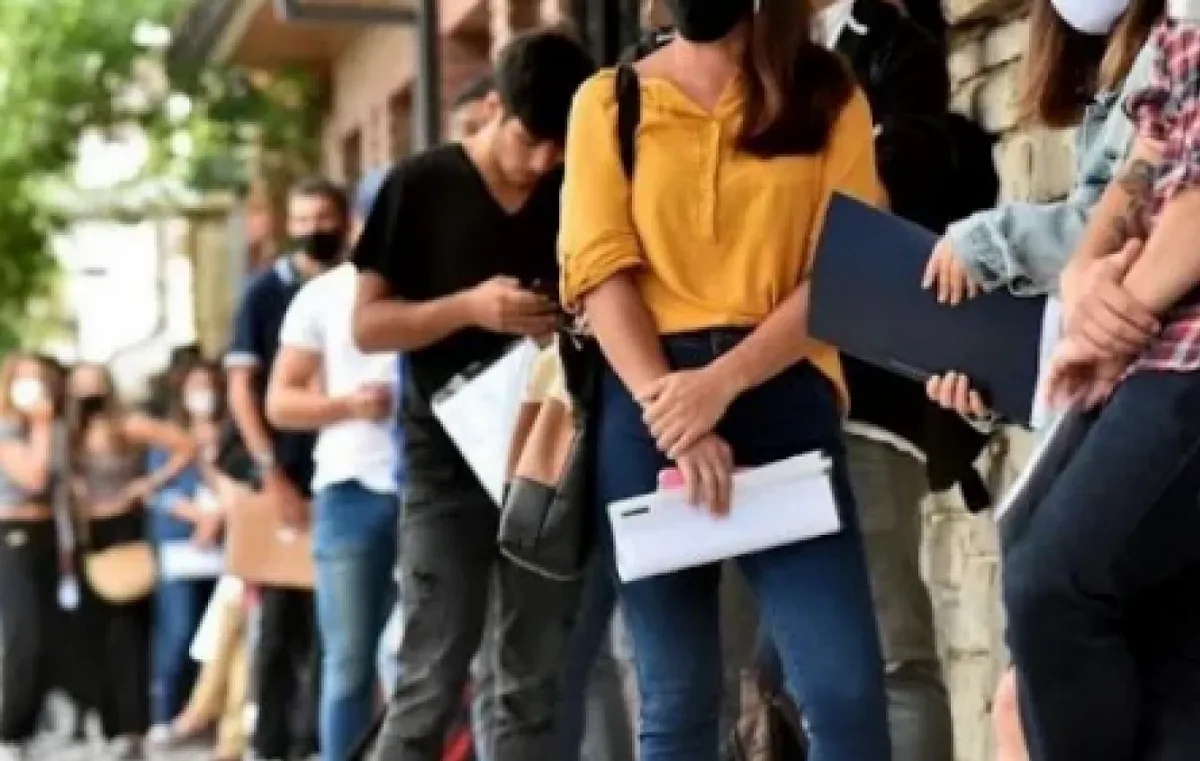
x=1042, y=415
x=775, y=505
x=184, y=560
x=480, y=415
x=204, y=643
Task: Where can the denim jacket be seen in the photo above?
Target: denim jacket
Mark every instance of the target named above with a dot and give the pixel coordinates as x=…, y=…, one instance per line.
x=1025, y=246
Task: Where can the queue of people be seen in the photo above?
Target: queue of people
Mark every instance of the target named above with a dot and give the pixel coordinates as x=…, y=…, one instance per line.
x=682, y=238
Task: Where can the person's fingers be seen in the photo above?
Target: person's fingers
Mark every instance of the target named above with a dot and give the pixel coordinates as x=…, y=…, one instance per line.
x=672, y=433
x=933, y=388
x=962, y=395
x=649, y=393
x=723, y=472
x=1127, y=310
x=977, y=407
x=686, y=440
x=708, y=483
x=943, y=282
x=930, y=276
x=691, y=480
x=1123, y=260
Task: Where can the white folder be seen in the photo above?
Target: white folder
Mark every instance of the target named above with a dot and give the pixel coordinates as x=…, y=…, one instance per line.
x=479, y=414
x=775, y=505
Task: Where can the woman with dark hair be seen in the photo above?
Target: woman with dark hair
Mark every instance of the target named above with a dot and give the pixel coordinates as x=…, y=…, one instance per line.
x=110, y=488
x=29, y=557
x=185, y=525
x=693, y=277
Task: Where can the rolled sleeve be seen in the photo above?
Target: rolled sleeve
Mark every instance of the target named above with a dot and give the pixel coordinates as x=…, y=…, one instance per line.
x=597, y=238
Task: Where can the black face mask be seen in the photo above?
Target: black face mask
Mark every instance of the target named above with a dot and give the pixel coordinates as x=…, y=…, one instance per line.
x=322, y=247
x=707, y=20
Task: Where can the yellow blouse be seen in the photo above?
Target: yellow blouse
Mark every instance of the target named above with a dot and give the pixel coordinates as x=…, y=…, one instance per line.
x=715, y=237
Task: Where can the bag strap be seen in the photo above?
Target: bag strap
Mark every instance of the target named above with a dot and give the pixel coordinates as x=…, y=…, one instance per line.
x=629, y=115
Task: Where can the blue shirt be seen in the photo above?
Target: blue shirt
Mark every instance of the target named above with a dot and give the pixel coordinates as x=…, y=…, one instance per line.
x=255, y=344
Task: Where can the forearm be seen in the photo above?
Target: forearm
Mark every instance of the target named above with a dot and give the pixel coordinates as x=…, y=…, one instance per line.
x=626, y=332
x=396, y=325
x=1119, y=215
x=1169, y=267
x=248, y=419
x=303, y=409
x=28, y=463
x=775, y=345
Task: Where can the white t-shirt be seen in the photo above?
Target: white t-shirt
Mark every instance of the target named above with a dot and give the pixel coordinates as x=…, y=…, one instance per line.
x=319, y=320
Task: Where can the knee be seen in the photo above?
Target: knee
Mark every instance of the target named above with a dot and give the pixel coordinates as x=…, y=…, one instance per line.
x=349, y=668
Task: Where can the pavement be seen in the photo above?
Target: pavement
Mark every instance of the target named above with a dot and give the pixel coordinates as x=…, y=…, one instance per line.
x=55, y=745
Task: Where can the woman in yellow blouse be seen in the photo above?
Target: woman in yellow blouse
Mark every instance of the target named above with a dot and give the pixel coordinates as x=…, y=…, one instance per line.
x=693, y=276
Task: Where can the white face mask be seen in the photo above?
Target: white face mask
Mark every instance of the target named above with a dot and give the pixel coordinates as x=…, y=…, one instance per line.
x=1095, y=17
x=26, y=393
x=200, y=403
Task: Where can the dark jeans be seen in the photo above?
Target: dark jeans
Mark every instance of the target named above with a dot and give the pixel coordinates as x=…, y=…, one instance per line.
x=29, y=624
x=286, y=660
x=814, y=596
x=1102, y=588
x=354, y=544
x=118, y=640
x=178, y=607
x=450, y=572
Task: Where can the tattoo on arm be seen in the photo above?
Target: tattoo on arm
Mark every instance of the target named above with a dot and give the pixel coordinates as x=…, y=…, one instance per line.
x=1137, y=180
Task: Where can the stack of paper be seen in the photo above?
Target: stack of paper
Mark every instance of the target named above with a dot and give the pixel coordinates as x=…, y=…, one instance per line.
x=479, y=414
x=775, y=505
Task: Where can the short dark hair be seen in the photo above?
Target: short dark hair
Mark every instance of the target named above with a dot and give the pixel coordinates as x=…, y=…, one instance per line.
x=320, y=187
x=477, y=89
x=536, y=77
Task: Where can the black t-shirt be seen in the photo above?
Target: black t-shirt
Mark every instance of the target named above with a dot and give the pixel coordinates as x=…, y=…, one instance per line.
x=435, y=230
x=255, y=344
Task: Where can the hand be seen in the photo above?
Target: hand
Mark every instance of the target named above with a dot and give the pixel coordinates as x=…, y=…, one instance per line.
x=371, y=402
x=948, y=276
x=207, y=530
x=501, y=305
x=707, y=470
x=292, y=506
x=681, y=408
x=1097, y=310
x=953, y=392
x=1080, y=376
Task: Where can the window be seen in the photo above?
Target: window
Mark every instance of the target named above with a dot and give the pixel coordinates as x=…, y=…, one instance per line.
x=352, y=158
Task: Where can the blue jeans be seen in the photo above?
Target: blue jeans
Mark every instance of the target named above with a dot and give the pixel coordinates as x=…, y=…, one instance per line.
x=814, y=596
x=178, y=607
x=354, y=544
x=1101, y=587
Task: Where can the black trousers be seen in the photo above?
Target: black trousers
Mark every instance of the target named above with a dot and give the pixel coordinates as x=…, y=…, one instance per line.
x=29, y=624
x=287, y=662
x=117, y=638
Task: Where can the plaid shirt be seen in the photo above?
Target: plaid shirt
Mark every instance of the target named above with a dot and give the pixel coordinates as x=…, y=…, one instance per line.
x=1168, y=111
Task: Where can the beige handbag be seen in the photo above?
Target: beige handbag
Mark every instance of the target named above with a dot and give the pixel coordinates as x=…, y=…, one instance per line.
x=261, y=550
x=121, y=574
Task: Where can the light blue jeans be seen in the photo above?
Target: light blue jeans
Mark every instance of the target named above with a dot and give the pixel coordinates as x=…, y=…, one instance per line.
x=354, y=544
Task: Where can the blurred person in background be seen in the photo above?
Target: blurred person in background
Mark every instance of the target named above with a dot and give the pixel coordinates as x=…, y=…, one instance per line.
x=286, y=657
x=110, y=487
x=186, y=522
x=322, y=382
x=30, y=395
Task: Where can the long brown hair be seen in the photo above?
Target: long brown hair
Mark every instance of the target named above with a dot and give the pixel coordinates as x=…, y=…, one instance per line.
x=1065, y=69
x=795, y=88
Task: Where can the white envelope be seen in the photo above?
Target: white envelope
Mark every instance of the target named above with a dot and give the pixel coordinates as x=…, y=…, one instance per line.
x=479, y=414
x=775, y=505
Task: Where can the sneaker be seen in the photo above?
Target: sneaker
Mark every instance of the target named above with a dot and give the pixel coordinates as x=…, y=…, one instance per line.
x=160, y=736
x=127, y=749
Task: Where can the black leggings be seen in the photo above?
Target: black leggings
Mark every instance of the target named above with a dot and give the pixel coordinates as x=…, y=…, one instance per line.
x=117, y=676
x=29, y=623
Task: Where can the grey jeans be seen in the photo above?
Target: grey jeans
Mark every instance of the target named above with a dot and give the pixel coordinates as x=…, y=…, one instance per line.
x=889, y=486
x=450, y=574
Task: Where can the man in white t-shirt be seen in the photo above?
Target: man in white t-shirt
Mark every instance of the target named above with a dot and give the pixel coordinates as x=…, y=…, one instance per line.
x=322, y=382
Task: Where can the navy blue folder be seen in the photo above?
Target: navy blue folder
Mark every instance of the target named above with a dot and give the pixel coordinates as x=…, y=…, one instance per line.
x=867, y=300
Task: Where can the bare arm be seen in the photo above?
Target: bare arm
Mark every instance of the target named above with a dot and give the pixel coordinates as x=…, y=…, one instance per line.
x=295, y=401
x=165, y=436
x=28, y=463
x=244, y=408
x=1169, y=267
x=1119, y=214
x=385, y=323
x=779, y=342
x=626, y=332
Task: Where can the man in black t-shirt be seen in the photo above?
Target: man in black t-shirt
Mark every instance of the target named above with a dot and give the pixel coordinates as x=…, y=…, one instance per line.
x=452, y=262
x=286, y=653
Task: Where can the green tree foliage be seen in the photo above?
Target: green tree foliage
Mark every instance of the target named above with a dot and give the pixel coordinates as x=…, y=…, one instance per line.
x=69, y=66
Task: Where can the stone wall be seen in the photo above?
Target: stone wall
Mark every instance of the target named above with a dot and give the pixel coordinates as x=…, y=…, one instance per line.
x=988, y=38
